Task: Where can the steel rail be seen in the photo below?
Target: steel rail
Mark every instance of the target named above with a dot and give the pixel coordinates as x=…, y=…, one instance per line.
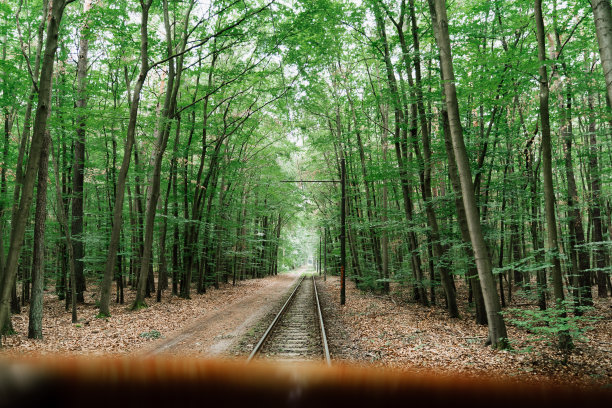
x=323, y=336
x=276, y=319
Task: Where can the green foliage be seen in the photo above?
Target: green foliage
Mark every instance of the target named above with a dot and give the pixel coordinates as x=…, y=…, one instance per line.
x=550, y=325
x=151, y=335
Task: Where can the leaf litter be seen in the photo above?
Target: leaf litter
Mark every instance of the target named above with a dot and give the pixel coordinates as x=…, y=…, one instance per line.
x=395, y=332
x=125, y=331
x=370, y=330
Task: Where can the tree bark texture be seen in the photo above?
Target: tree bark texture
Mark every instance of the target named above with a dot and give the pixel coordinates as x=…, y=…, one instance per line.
x=21, y=213
x=78, y=165
x=497, y=327
x=111, y=260
x=602, y=12
x=549, y=193
x=38, y=262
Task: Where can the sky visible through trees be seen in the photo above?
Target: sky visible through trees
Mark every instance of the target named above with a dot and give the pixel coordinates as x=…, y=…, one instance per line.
x=147, y=146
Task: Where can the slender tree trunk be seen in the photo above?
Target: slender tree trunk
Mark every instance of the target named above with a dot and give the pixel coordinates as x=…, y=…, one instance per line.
x=21, y=214
x=549, y=193
x=325, y=256
x=343, y=232
x=25, y=138
x=175, y=234
x=369, y=211
x=163, y=129
x=191, y=231
x=162, y=281
x=277, y=244
x=399, y=119
x=111, y=260
x=497, y=327
x=384, y=240
x=38, y=262
x=79, y=156
x=580, y=257
x=63, y=220
x=440, y=252
x=472, y=272
x=138, y=234
x=596, y=213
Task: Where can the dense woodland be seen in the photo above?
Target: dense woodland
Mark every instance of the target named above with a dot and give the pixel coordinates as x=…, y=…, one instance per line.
x=146, y=146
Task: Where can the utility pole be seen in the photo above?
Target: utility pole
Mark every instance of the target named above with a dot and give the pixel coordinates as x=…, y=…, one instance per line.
x=320, y=253
x=343, y=233
x=324, y=254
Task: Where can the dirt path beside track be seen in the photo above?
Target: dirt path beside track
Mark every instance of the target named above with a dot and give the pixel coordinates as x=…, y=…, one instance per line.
x=213, y=334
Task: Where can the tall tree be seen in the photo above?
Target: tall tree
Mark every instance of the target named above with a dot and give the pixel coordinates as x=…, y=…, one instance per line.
x=21, y=213
x=111, y=260
x=78, y=165
x=163, y=132
x=549, y=192
x=497, y=327
x=602, y=11
x=38, y=263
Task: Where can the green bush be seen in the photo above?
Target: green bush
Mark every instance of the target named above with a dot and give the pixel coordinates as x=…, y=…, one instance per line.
x=153, y=334
x=551, y=325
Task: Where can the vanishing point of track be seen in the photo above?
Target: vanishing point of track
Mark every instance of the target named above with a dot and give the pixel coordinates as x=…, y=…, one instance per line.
x=297, y=333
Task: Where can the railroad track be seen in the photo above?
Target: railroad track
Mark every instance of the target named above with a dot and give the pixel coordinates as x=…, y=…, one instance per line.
x=297, y=333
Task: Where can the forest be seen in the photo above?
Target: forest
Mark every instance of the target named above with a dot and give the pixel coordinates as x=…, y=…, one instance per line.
x=452, y=155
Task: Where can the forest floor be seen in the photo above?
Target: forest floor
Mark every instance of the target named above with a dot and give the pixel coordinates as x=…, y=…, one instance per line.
x=371, y=330
x=394, y=332
x=205, y=325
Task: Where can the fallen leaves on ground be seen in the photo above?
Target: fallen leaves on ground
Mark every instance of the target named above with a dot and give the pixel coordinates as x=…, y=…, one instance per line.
x=392, y=332
x=125, y=331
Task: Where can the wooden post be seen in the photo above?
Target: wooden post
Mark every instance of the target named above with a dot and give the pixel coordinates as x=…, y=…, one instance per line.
x=343, y=233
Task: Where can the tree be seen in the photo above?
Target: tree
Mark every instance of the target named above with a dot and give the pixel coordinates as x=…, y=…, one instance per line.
x=602, y=11
x=38, y=263
x=111, y=260
x=79, y=154
x=163, y=132
x=549, y=192
x=497, y=327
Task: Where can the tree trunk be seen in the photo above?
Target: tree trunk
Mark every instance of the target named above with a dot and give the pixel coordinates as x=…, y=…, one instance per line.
x=25, y=138
x=163, y=129
x=602, y=12
x=21, y=214
x=399, y=119
x=63, y=220
x=79, y=157
x=343, y=232
x=497, y=327
x=596, y=213
x=580, y=256
x=191, y=231
x=549, y=193
x=370, y=214
x=384, y=240
x=111, y=260
x=162, y=281
x=38, y=262
x=440, y=253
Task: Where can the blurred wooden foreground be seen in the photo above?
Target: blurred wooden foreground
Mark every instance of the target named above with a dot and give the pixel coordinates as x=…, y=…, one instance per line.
x=112, y=381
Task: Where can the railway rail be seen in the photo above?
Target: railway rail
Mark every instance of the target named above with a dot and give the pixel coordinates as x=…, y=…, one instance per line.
x=297, y=332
